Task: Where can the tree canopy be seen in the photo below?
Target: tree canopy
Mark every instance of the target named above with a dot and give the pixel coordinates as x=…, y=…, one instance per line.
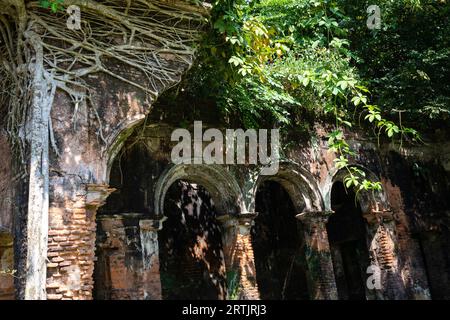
x=288, y=63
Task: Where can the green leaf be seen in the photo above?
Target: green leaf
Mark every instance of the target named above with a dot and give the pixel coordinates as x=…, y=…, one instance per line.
x=220, y=25
x=54, y=7
x=305, y=82
x=236, y=61
x=364, y=99
x=390, y=133
x=343, y=84
x=347, y=123
x=356, y=100
x=45, y=4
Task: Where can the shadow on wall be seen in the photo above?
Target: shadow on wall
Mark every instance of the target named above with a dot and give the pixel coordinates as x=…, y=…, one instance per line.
x=278, y=246
x=134, y=174
x=191, y=256
x=347, y=236
x=423, y=186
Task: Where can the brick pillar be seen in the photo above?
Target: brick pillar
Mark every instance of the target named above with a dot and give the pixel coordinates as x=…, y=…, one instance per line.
x=238, y=254
x=71, y=238
x=318, y=256
x=150, y=257
x=383, y=254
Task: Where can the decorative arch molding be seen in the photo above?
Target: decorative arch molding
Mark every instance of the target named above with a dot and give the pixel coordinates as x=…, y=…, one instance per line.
x=370, y=201
x=381, y=235
x=117, y=139
x=299, y=184
x=222, y=186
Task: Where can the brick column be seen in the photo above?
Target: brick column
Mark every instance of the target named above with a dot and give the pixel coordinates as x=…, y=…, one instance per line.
x=383, y=254
x=318, y=256
x=71, y=238
x=239, y=259
x=150, y=257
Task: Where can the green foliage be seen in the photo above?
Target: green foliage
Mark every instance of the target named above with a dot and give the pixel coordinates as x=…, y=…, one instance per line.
x=233, y=285
x=277, y=62
x=53, y=5
x=406, y=63
x=266, y=61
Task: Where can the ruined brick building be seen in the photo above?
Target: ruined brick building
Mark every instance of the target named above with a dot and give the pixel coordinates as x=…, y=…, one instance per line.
x=124, y=222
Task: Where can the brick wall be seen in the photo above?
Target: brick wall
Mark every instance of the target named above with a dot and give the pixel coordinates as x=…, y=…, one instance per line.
x=71, y=238
x=120, y=273
x=246, y=260
x=71, y=241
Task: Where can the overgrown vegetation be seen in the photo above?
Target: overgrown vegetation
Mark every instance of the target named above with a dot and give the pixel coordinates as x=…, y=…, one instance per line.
x=407, y=62
x=265, y=63
x=286, y=63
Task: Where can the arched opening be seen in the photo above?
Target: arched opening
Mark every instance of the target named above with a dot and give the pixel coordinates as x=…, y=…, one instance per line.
x=190, y=263
x=136, y=258
x=119, y=272
x=190, y=245
x=278, y=245
x=347, y=235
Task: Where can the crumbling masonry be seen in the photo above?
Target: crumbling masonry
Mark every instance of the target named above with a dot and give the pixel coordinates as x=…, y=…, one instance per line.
x=126, y=223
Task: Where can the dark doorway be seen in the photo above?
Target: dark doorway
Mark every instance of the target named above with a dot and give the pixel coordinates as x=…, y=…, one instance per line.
x=348, y=242
x=435, y=246
x=190, y=245
x=278, y=248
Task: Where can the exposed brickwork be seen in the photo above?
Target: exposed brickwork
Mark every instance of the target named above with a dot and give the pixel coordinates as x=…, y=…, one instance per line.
x=411, y=263
x=123, y=272
x=71, y=243
x=70, y=251
x=318, y=256
x=387, y=257
x=245, y=261
x=239, y=256
x=414, y=258
x=391, y=243
x=404, y=251
x=384, y=254
x=396, y=246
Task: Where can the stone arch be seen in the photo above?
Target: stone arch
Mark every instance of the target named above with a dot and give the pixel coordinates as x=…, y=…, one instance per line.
x=222, y=186
x=304, y=193
x=299, y=184
x=116, y=141
x=370, y=201
x=380, y=235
